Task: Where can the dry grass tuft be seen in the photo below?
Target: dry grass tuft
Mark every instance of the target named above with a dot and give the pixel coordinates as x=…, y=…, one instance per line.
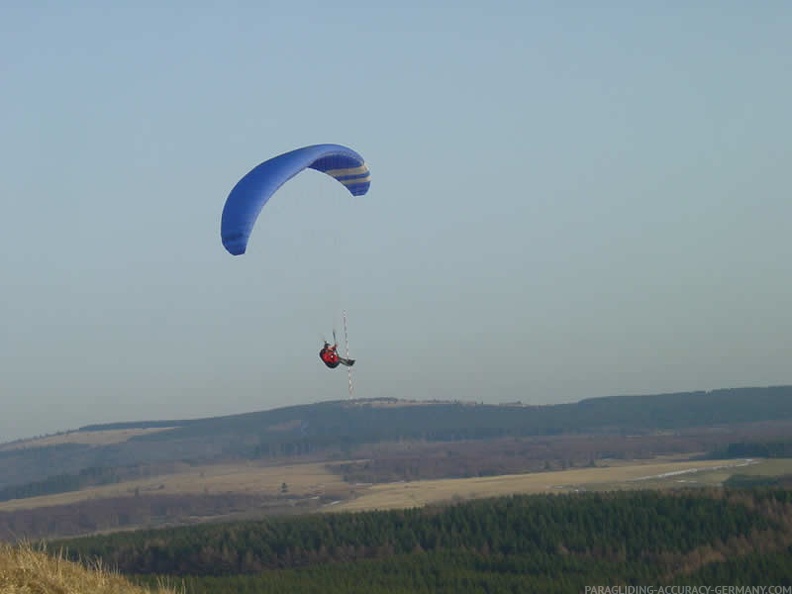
x=25, y=570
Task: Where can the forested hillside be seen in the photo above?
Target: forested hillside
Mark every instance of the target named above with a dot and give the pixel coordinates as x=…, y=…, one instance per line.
x=513, y=544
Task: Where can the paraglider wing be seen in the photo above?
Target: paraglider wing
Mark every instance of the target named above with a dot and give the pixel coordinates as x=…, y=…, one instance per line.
x=252, y=192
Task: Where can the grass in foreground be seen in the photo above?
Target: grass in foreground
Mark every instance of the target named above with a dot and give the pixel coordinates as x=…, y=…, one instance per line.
x=24, y=570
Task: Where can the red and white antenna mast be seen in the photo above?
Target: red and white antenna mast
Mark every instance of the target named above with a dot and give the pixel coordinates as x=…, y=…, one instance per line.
x=346, y=346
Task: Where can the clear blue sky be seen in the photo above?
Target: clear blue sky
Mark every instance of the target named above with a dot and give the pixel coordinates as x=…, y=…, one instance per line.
x=568, y=199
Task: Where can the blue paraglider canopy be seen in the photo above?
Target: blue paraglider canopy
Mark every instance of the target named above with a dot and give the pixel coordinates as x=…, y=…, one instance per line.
x=252, y=192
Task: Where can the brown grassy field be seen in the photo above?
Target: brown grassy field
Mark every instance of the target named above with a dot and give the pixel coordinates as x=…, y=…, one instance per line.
x=310, y=479
x=107, y=437
x=24, y=570
x=650, y=474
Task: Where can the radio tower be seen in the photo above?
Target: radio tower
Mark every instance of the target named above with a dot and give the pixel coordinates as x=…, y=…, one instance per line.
x=346, y=346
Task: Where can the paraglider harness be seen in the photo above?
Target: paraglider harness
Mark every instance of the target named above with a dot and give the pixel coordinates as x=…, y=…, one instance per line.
x=329, y=355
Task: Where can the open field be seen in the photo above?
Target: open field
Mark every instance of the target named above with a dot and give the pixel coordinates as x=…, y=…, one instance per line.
x=314, y=480
x=772, y=467
x=634, y=475
x=96, y=438
x=302, y=480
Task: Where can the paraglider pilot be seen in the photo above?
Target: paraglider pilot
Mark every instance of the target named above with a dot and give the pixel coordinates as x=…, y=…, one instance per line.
x=329, y=356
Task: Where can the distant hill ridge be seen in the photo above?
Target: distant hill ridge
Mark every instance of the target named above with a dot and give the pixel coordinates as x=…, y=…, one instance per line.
x=385, y=418
x=341, y=430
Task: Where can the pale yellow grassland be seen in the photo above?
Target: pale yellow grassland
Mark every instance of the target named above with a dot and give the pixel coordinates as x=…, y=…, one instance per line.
x=251, y=478
x=420, y=493
x=315, y=479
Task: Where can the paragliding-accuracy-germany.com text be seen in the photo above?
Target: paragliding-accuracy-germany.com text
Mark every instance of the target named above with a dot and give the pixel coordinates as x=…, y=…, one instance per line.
x=688, y=590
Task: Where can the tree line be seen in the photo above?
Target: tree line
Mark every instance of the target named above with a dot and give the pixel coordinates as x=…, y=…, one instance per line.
x=548, y=543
